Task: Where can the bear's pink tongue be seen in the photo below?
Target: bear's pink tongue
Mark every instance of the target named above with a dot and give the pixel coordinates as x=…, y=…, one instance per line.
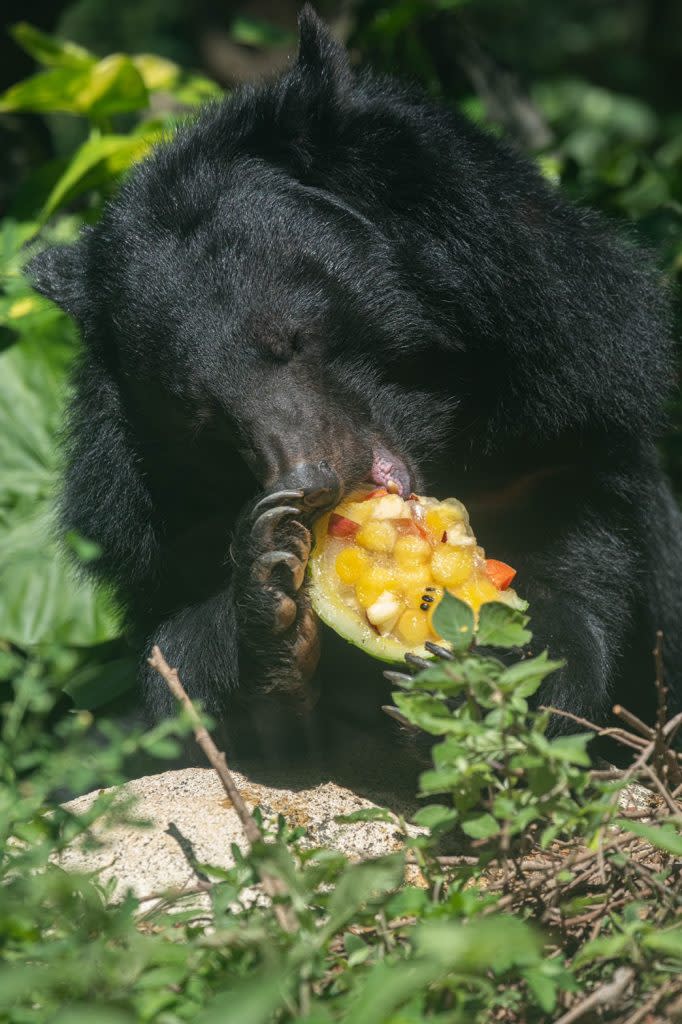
x=390, y=472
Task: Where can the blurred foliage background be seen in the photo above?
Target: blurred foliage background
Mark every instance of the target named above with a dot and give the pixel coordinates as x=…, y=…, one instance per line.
x=590, y=88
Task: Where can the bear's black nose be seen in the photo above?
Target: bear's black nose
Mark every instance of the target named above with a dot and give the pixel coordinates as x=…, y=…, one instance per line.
x=319, y=482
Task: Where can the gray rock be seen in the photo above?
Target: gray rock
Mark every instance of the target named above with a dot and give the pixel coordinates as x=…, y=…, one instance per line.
x=191, y=822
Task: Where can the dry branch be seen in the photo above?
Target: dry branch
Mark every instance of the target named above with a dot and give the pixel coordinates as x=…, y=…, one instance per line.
x=273, y=887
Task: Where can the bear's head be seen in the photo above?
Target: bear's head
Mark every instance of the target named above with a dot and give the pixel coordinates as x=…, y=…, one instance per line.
x=250, y=283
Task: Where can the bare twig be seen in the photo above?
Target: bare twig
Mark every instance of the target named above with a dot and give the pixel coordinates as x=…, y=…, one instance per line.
x=272, y=886
x=604, y=995
x=633, y=721
x=627, y=738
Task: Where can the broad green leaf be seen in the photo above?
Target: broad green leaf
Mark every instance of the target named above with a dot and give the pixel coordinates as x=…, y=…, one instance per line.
x=113, y=153
x=525, y=676
x=386, y=987
x=572, y=749
x=98, y=683
x=111, y=86
x=156, y=72
x=480, y=826
x=663, y=837
x=46, y=92
x=251, y=1000
x=668, y=942
x=41, y=599
x=454, y=621
x=256, y=32
x=492, y=944
x=501, y=626
x=51, y=51
x=360, y=883
x=606, y=947
x=435, y=816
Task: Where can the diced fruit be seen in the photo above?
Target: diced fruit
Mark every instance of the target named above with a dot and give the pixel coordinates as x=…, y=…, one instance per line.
x=411, y=550
x=391, y=506
x=413, y=627
x=500, y=573
x=381, y=564
x=458, y=536
x=340, y=526
x=412, y=581
x=377, y=535
x=477, y=592
x=350, y=564
x=440, y=518
x=372, y=583
x=385, y=611
x=451, y=566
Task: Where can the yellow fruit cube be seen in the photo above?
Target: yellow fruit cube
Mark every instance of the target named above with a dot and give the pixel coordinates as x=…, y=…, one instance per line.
x=477, y=591
x=350, y=565
x=413, y=626
x=377, y=535
x=373, y=583
x=439, y=519
x=411, y=550
x=451, y=566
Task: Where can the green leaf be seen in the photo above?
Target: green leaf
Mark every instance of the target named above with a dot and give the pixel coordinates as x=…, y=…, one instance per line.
x=256, y=32
x=435, y=816
x=667, y=942
x=45, y=93
x=51, y=51
x=156, y=72
x=42, y=599
x=663, y=837
x=525, y=676
x=501, y=626
x=386, y=986
x=99, y=683
x=112, y=153
x=481, y=826
x=360, y=883
x=492, y=944
x=111, y=86
x=572, y=749
x=607, y=947
x=248, y=1001
x=543, y=989
x=454, y=621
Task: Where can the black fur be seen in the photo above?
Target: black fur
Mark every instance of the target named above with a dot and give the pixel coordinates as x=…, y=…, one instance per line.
x=327, y=263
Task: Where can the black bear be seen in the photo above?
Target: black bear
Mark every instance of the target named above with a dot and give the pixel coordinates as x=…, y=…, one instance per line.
x=328, y=275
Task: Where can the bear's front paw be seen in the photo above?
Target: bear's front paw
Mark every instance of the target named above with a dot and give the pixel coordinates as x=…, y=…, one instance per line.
x=276, y=620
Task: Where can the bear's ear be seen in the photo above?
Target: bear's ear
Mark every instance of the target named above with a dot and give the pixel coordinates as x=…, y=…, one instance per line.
x=318, y=52
x=58, y=273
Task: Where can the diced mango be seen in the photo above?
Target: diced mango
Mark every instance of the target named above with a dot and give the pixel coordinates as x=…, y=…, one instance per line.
x=372, y=584
x=477, y=591
x=451, y=566
x=413, y=626
x=440, y=518
x=377, y=535
x=350, y=564
x=411, y=550
x=412, y=581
